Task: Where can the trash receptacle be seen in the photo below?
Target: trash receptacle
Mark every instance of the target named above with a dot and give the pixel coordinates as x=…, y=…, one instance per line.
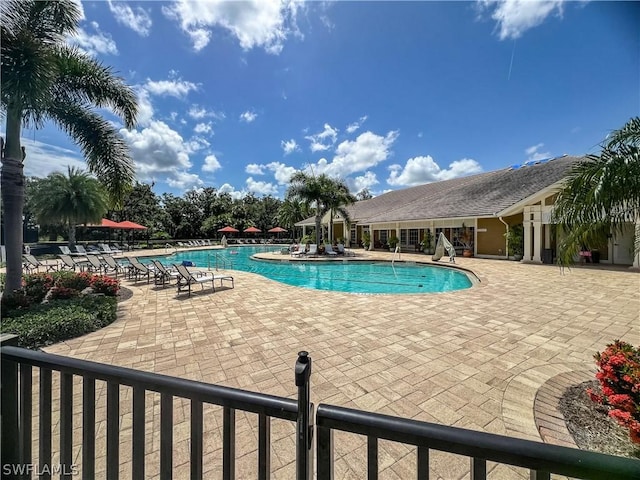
x=547, y=255
x=595, y=256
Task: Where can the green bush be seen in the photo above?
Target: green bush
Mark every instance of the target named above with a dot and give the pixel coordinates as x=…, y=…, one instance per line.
x=59, y=320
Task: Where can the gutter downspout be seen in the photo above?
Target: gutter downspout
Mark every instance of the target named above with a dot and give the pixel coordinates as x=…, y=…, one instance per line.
x=506, y=239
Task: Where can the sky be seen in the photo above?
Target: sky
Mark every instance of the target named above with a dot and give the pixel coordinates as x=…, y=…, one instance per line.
x=383, y=95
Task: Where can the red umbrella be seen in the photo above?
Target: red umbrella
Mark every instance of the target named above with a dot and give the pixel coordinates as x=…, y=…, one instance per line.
x=105, y=222
x=127, y=225
x=228, y=230
x=277, y=230
x=252, y=230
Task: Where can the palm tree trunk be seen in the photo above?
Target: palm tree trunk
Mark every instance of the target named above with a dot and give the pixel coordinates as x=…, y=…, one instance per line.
x=318, y=232
x=12, y=186
x=72, y=235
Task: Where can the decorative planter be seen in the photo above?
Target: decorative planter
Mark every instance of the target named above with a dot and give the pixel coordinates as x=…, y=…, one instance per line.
x=467, y=252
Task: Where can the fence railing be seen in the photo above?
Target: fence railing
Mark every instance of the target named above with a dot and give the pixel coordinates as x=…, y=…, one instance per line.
x=18, y=407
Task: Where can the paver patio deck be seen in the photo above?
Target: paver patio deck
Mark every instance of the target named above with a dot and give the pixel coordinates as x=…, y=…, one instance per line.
x=472, y=358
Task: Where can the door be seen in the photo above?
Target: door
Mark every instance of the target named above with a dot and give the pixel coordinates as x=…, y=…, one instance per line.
x=623, y=246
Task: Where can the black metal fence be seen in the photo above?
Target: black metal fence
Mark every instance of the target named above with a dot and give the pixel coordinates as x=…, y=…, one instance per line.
x=18, y=404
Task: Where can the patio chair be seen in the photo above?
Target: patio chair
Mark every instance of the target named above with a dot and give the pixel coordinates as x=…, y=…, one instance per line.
x=328, y=249
x=187, y=278
x=163, y=274
x=83, y=251
x=67, y=251
x=137, y=269
x=345, y=251
x=31, y=263
x=95, y=265
x=104, y=248
x=69, y=263
x=113, y=265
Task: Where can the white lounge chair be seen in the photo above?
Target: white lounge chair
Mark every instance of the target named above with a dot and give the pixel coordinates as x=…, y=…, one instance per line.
x=82, y=251
x=31, y=263
x=344, y=251
x=138, y=270
x=104, y=248
x=69, y=263
x=328, y=249
x=67, y=251
x=187, y=278
x=163, y=274
x=113, y=265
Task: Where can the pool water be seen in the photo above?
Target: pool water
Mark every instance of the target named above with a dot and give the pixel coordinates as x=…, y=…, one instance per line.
x=348, y=276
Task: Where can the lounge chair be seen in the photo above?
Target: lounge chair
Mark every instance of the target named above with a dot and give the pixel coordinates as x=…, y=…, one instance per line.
x=163, y=274
x=31, y=263
x=187, y=278
x=95, y=265
x=69, y=263
x=329, y=250
x=67, y=251
x=344, y=251
x=138, y=270
x=104, y=248
x=82, y=251
x=113, y=265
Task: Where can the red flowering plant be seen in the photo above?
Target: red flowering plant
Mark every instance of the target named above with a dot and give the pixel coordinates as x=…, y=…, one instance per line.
x=105, y=285
x=619, y=377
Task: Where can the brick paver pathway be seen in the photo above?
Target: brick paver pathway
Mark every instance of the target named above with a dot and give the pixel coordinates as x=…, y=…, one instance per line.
x=473, y=358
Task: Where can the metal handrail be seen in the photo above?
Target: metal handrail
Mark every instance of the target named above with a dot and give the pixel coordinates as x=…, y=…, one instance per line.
x=219, y=262
x=207, y=393
x=541, y=458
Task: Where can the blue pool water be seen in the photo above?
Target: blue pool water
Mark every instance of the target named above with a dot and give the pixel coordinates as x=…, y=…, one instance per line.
x=349, y=276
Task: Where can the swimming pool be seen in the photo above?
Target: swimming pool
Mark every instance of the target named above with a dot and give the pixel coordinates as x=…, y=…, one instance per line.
x=349, y=276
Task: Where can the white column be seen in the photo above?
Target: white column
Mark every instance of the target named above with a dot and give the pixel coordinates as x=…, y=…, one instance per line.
x=526, y=256
x=636, y=257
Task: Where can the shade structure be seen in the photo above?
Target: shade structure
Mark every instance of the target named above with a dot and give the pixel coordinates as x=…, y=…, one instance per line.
x=277, y=230
x=228, y=229
x=104, y=223
x=252, y=230
x=127, y=225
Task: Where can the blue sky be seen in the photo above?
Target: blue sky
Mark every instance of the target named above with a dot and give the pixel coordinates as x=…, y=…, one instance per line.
x=385, y=95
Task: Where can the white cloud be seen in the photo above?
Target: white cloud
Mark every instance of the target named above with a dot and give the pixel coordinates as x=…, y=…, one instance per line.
x=289, y=146
x=352, y=127
x=366, y=151
x=230, y=189
x=254, y=23
x=420, y=170
x=248, y=116
x=184, y=180
x=211, y=164
x=138, y=21
x=43, y=159
x=368, y=180
x=514, y=17
x=323, y=140
x=198, y=113
x=94, y=44
x=145, y=107
x=254, y=169
x=535, y=154
x=281, y=172
x=158, y=152
x=177, y=88
x=261, y=188
x=203, y=128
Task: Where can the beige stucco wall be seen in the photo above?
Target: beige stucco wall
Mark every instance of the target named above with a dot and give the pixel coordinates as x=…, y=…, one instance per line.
x=491, y=241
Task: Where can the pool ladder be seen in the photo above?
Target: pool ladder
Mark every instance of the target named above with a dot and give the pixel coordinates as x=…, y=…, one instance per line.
x=219, y=262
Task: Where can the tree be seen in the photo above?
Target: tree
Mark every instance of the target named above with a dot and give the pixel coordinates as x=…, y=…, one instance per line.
x=142, y=205
x=44, y=79
x=69, y=200
x=339, y=197
x=364, y=194
x=321, y=193
x=290, y=212
x=601, y=194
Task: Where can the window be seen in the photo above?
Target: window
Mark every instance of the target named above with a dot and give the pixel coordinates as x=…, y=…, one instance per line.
x=383, y=236
x=403, y=237
x=413, y=236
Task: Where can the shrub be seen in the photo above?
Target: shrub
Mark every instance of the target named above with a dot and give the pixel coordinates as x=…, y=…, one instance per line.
x=36, y=286
x=59, y=320
x=73, y=280
x=105, y=285
x=619, y=377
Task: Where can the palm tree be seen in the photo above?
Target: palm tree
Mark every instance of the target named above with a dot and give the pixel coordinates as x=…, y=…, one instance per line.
x=290, y=212
x=44, y=79
x=321, y=193
x=601, y=194
x=339, y=198
x=70, y=200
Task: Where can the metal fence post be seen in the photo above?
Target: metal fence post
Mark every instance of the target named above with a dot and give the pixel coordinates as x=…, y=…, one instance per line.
x=304, y=427
x=9, y=444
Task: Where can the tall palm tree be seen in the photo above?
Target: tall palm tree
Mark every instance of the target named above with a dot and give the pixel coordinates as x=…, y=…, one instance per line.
x=321, y=193
x=601, y=195
x=70, y=200
x=44, y=79
x=339, y=198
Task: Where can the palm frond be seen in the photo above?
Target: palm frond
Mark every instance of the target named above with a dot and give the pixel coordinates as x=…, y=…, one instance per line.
x=106, y=153
x=629, y=134
x=82, y=79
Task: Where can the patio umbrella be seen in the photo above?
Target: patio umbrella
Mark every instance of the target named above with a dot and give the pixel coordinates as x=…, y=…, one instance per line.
x=228, y=229
x=252, y=230
x=277, y=230
x=127, y=225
